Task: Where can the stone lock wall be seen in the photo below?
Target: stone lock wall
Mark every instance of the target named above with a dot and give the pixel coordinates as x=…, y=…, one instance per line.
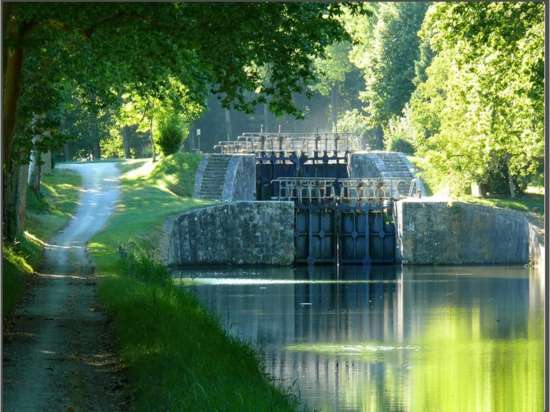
x=535, y=225
x=239, y=233
x=436, y=232
x=383, y=164
x=230, y=177
x=240, y=180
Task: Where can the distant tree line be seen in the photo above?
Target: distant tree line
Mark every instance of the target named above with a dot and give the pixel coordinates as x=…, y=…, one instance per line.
x=458, y=85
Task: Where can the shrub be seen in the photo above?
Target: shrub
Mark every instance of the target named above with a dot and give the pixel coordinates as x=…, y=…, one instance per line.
x=112, y=147
x=401, y=145
x=171, y=135
x=399, y=134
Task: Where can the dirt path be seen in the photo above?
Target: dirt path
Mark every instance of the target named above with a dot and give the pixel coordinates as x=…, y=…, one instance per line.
x=58, y=355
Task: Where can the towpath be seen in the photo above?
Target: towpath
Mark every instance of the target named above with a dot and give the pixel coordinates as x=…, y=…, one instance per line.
x=58, y=356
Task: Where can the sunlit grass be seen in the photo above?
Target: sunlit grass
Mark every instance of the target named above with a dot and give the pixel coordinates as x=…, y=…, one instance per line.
x=531, y=201
x=178, y=356
x=48, y=212
x=142, y=210
x=45, y=214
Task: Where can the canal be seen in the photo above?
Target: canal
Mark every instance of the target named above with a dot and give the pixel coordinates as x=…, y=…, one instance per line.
x=389, y=339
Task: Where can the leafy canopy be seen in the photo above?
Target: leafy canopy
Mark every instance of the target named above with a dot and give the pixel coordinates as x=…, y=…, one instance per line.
x=117, y=48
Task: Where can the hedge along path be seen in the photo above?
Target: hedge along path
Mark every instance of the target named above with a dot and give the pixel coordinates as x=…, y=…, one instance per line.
x=59, y=354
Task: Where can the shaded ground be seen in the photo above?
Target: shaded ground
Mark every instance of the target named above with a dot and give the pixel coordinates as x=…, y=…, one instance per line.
x=58, y=354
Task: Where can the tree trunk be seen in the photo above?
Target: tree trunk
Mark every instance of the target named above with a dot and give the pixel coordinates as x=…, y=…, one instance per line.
x=334, y=108
x=126, y=142
x=13, y=64
x=266, y=118
x=97, y=150
x=46, y=164
x=66, y=152
x=15, y=187
x=35, y=186
x=152, y=139
x=34, y=172
x=21, y=198
x=12, y=90
x=95, y=122
x=510, y=181
x=35, y=163
x=228, y=131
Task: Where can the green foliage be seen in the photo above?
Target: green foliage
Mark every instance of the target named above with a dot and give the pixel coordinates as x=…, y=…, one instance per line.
x=112, y=146
x=171, y=52
x=15, y=272
x=399, y=135
x=399, y=144
x=356, y=122
x=478, y=116
x=390, y=66
x=353, y=121
x=332, y=67
x=171, y=135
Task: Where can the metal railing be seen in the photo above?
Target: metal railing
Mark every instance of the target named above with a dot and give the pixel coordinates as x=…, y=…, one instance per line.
x=318, y=190
x=291, y=142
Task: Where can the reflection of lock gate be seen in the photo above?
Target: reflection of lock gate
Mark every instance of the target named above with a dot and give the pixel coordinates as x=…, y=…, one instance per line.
x=344, y=220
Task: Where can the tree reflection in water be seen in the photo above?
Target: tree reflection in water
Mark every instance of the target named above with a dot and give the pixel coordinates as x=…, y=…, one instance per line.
x=385, y=339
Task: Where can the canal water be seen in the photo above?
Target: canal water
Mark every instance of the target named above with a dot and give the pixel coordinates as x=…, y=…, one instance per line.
x=441, y=339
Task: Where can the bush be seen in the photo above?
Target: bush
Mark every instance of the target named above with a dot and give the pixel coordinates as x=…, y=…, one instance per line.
x=401, y=145
x=399, y=134
x=495, y=180
x=171, y=135
x=112, y=147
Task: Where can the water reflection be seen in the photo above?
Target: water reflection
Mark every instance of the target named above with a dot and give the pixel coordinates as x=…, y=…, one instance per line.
x=386, y=339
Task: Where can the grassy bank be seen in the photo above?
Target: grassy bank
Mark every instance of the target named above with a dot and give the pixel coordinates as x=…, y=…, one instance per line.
x=178, y=356
x=532, y=200
x=45, y=215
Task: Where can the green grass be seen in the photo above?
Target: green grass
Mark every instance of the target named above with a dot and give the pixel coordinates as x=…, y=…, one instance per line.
x=178, y=356
x=49, y=212
x=15, y=273
x=45, y=215
x=177, y=171
x=530, y=201
x=146, y=201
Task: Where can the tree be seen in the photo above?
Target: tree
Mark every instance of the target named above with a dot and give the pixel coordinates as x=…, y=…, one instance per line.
x=116, y=48
x=479, y=113
x=172, y=132
x=332, y=70
x=389, y=66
